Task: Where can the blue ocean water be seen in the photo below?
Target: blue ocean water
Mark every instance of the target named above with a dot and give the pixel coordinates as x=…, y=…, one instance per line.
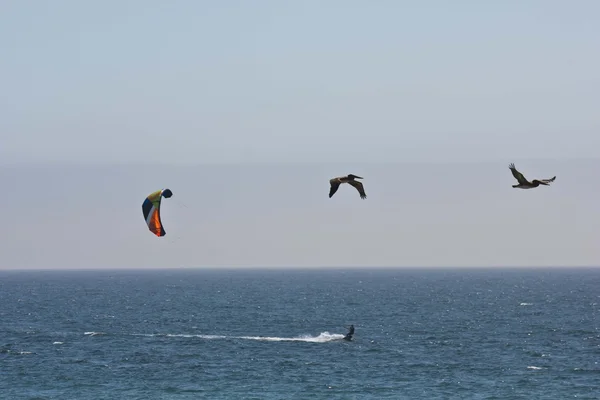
x=275, y=334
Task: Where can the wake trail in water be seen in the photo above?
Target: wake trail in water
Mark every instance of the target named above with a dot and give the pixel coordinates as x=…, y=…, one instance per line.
x=323, y=337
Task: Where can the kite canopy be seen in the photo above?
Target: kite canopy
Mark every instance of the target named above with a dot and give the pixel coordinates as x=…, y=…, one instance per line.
x=151, y=211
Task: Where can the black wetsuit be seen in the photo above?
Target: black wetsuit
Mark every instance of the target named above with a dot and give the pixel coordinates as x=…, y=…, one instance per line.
x=350, y=333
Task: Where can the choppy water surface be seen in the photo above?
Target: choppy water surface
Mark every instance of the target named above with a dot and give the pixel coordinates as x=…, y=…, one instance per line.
x=190, y=334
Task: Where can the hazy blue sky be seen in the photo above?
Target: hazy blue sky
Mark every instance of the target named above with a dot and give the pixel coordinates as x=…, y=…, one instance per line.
x=93, y=88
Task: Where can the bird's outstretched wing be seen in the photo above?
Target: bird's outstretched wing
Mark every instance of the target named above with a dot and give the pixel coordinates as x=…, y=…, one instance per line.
x=544, y=181
x=335, y=184
x=548, y=180
x=518, y=176
x=359, y=186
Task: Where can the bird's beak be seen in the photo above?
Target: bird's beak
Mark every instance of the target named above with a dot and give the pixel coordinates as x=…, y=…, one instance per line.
x=358, y=177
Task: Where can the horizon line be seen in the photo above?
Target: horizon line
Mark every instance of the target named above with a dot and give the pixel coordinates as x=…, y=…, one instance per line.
x=294, y=268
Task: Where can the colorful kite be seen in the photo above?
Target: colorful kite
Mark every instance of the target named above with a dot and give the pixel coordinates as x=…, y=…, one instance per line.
x=151, y=210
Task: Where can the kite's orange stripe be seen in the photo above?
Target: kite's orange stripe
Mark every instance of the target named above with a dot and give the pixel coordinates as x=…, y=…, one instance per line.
x=156, y=223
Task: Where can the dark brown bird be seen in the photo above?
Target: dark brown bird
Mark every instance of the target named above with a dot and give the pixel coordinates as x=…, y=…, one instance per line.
x=350, y=179
x=524, y=183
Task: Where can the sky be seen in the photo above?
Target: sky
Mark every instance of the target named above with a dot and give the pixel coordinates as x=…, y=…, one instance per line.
x=246, y=109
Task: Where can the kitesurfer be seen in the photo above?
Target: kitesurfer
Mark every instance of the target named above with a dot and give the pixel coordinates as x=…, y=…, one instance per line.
x=350, y=332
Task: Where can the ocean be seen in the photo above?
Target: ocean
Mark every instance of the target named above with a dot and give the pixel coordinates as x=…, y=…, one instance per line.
x=276, y=334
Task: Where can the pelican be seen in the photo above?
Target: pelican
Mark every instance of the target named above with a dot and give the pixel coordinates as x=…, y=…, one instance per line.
x=524, y=183
x=350, y=179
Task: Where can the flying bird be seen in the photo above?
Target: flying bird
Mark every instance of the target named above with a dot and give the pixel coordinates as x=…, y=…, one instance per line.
x=524, y=183
x=350, y=179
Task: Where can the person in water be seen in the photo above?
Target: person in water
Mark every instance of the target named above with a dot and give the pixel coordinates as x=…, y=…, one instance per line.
x=350, y=332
